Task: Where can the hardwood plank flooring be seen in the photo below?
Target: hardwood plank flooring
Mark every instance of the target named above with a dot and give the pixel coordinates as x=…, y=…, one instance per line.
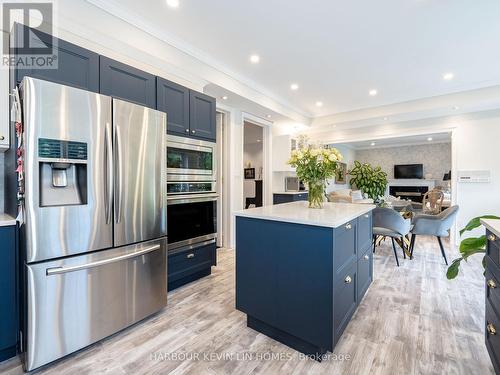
x=412, y=320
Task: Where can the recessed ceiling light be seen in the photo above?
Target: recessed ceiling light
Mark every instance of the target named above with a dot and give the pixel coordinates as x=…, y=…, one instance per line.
x=269, y=116
x=448, y=76
x=373, y=92
x=254, y=59
x=385, y=118
x=319, y=104
x=173, y=3
x=294, y=86
x=455, y=107
x=429, y=139
x=372, y=144
x=258, y=140
x=224, y=97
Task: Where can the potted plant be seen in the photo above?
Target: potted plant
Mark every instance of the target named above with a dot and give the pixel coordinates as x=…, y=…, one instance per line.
x=314, y=166
x=469, y=246
x=371, y=181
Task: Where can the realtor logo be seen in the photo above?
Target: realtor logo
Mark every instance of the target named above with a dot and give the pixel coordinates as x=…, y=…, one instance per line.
x=31, y=43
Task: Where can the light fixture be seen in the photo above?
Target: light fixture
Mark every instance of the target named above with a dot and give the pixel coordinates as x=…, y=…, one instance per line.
x=173, y=3
x=372, y=144
x=373, y=92
x=294, y=86
x=429, y=139
x=448, y=76
x=455, y=107
x=319, y=104
x=224, y=97
x=269, y=116
x=385, y=118
x=254, y=59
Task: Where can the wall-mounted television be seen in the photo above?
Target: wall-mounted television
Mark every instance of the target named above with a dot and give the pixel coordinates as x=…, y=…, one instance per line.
x=409, y=171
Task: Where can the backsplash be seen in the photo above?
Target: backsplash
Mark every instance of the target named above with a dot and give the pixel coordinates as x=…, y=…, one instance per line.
x=436, y=158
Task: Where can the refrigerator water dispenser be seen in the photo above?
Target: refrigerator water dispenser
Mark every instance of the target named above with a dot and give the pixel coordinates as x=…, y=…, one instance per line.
x=63, y=172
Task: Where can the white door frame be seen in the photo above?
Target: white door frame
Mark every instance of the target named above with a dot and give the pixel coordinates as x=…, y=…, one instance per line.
x=223, y=178
x=267, y=175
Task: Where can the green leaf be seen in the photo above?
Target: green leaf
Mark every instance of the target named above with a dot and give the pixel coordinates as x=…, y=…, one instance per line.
x=476, y=223
x=474, y=243
x=453, y=269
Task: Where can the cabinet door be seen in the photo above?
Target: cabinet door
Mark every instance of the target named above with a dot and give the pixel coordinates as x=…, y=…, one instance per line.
x=8, y=307
x=76, y=66
x=365, y=272
x=125, y=82
x=282, y=198
x=346, y=300
x=364, y=232
x=173, y=99
x=202, y=116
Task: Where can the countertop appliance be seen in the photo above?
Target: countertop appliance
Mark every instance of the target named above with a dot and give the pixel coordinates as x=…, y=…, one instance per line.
x=95, y=227
x=191, y=193
x=294, y=184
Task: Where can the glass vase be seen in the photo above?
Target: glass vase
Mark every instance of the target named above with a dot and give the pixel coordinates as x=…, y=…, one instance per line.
x=316, y=193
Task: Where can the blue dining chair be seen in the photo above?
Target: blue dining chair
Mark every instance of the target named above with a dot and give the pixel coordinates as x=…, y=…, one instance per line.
x=389, y=223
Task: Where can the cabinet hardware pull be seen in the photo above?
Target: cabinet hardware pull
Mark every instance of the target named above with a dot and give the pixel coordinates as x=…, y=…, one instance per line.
x=187, y=130
x=189, y=256
x=193, y=131
x=2, y=137
x=492, y=284
x=367, y=216
x=348, y=280
x=348, y=226
x=366, y=257
x=492, y=237
x=491, y=329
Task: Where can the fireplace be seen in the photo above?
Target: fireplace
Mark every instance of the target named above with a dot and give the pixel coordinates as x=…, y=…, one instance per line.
x=413, y=193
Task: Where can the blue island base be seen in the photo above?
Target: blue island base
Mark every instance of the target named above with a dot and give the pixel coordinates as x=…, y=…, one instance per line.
x=285, y=338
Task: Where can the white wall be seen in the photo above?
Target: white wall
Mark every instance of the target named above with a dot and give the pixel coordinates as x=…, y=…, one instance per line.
x=349, y=155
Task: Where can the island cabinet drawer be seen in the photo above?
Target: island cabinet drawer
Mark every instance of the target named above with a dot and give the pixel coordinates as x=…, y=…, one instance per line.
x=493, y=247
x=492, y=331
x=345, y=299
x=365, y=272
x=345, y=246
x=185, y=263
x=364, y=232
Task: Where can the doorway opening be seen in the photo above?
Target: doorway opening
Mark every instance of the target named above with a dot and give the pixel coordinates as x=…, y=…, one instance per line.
x=253, y=161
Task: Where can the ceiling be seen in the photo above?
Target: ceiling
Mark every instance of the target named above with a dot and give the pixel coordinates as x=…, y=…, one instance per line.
x=401, y=141
x=336, y=51
x=252, y=133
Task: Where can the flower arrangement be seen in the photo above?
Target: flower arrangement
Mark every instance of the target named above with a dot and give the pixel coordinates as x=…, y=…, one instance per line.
x=314, y=166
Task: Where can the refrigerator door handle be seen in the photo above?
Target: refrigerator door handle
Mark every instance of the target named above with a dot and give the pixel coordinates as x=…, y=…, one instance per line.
x=118, y=176
x=109, y=172
x=62, y=270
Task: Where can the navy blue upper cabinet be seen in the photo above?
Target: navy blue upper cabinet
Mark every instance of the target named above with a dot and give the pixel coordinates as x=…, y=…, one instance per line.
x=76, y=66
x=202, y=116
x=173, y=99
x=125, y=82
x=8, y=307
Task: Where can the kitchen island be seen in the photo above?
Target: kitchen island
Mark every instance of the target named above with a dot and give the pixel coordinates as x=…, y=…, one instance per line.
x=301, y=272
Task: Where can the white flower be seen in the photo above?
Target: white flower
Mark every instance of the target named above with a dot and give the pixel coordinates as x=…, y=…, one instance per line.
x=315, y=152
x=332, y=157
x=299, y=155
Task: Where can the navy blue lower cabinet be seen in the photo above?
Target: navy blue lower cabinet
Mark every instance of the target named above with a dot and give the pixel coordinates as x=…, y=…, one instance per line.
x=8, y=291
x=287, y=198
x=492, y=287
x=190, y=264
x=293, y=282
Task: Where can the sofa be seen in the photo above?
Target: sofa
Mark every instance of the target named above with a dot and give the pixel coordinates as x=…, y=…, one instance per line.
x=348, y=196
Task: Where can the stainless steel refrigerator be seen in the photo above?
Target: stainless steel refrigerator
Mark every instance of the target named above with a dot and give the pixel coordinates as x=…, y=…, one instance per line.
x=95, y=217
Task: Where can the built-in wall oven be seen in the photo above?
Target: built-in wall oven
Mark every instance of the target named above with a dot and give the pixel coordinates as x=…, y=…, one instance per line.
x=191, y=193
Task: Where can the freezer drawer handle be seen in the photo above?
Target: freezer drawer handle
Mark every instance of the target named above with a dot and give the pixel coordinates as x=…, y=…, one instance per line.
x=60, y=270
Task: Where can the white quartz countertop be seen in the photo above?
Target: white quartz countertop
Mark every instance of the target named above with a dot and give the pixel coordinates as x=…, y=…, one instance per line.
x=6, y=220
x=493, y=225
x=291, y=192
x=332, y=215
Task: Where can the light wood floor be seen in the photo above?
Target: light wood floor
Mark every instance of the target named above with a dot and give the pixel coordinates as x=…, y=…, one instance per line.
x=412, y=321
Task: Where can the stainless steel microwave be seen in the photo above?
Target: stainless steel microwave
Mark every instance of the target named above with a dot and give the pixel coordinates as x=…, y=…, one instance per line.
x=191, y=157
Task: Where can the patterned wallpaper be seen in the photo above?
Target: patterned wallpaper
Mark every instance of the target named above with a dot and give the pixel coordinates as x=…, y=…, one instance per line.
x=436, y=158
